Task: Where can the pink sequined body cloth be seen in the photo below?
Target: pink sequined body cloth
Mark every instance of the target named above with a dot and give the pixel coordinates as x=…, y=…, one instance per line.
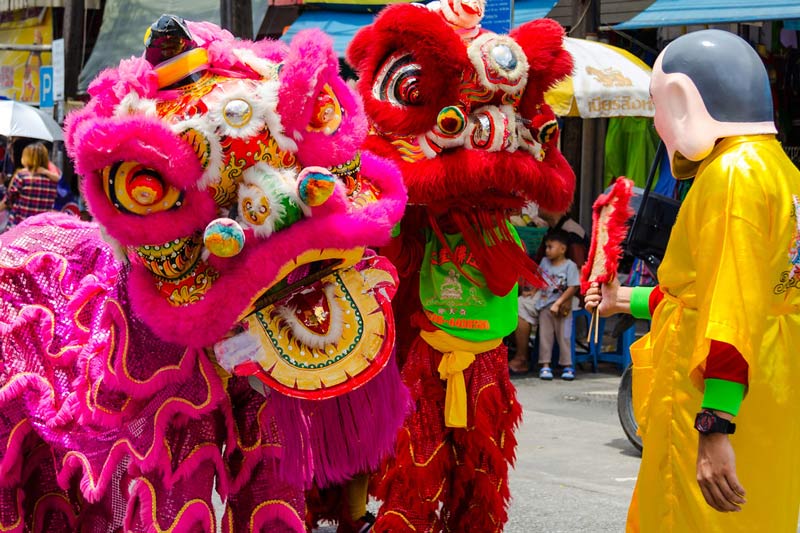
x=243, y=342
x=91, y=400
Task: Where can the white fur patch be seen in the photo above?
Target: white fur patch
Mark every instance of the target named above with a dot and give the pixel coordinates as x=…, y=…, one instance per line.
x=268, y=94
x=277, y=186
x=481, y=56
x=237, y=90
x=133, y=105
x=264, y=67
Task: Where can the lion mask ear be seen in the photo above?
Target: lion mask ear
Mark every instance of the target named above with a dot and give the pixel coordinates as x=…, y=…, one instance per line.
x=310, y=63
x=410, y=64
x=543, y=43
x=318, y=110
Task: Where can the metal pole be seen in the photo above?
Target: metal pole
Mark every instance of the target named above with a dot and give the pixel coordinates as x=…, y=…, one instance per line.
x=585, y=18
x=26, y=47
x=74, y=13
x=237, y=17
x=225, y=14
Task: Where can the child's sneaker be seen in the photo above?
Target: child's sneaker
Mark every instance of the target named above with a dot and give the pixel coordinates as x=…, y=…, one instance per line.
x=545, y=373
x=568, y=374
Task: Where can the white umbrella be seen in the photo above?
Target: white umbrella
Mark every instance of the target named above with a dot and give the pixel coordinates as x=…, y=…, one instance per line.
x=21, y=120
x=606, y=82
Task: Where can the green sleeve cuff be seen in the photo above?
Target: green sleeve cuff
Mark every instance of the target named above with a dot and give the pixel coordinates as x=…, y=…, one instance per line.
x=640, y=302
x=723, y=395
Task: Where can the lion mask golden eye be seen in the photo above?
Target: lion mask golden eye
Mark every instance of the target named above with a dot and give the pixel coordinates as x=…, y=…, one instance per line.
x=136, y=189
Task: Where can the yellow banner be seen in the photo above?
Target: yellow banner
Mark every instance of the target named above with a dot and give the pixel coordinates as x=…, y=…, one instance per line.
x=19, y=70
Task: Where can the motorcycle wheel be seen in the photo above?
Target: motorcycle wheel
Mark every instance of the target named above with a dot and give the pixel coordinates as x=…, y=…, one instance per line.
x=625, y=409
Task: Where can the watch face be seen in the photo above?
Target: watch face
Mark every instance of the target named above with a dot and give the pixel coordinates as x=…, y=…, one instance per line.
x=704, y=422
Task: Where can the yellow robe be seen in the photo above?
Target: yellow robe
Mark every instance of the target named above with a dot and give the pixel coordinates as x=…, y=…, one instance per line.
x=731, y=273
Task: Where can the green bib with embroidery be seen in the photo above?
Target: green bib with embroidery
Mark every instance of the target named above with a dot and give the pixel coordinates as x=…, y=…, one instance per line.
x=453, y=302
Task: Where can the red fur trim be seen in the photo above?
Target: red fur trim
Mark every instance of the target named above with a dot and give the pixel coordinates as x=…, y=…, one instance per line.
x=502, y=261
x=542, y=41
x=464, y=469
x=616, y=228
x=463, y=178
x=415, y=30
x=393, y=523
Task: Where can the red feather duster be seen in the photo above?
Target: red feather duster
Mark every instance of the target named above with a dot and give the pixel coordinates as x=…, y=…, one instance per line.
x=610, y=215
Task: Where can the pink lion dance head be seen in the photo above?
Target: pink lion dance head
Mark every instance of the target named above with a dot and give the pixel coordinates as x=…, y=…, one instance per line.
x=227, y=176
x=229, y=172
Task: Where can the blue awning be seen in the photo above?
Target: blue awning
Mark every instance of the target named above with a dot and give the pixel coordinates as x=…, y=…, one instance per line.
x=340, y=25
x=527, y=10
x=688, y=12
x=343, y=25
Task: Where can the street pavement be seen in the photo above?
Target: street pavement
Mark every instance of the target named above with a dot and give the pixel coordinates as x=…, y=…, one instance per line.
x=575, y=469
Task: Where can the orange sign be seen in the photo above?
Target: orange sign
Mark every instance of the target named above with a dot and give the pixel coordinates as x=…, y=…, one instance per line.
x=19, y=70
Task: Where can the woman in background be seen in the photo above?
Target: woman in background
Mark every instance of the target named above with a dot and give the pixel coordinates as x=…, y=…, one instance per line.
x=33, y=188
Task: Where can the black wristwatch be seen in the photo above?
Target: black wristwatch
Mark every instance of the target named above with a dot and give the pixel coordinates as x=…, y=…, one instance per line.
x=708, y=422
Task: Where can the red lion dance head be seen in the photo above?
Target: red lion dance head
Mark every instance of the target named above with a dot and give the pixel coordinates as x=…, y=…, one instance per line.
x=462, y=112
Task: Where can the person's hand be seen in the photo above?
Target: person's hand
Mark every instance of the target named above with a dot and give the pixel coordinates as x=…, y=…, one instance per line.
x=539, y=222
x=716, y=473
x=604, y=297
x=555, y=309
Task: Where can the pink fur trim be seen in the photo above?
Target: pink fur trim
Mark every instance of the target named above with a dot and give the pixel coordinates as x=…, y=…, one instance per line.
x=135, y=75
x=308, y=65
x=320, y=149
x=50, y=504
x=149, y=142
x=254, y=269
x=197, y=516
x=93, y=484
x=205, y=33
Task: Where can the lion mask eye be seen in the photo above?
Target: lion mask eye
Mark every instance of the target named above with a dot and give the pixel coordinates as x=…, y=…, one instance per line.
x=136, y=189
x=398, y=81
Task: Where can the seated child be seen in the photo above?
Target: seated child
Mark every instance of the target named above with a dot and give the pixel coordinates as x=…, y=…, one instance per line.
x=554, y=305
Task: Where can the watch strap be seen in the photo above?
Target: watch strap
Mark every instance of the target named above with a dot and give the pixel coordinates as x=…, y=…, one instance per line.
x=719, y=425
